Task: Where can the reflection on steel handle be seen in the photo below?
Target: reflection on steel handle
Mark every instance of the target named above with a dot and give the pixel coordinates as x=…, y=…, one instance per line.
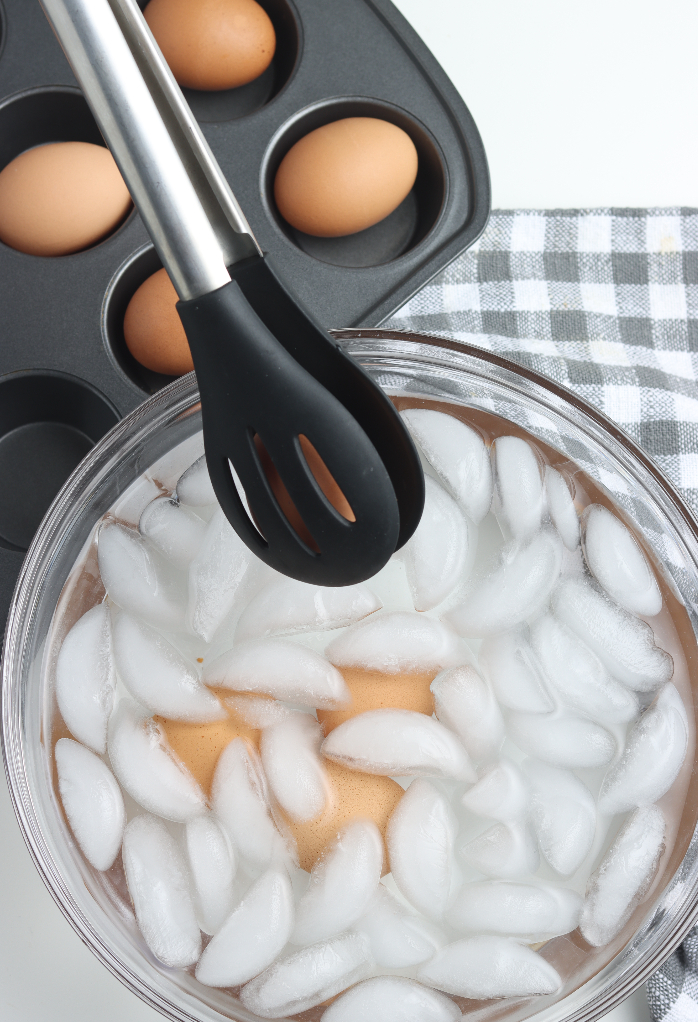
x=185, y=201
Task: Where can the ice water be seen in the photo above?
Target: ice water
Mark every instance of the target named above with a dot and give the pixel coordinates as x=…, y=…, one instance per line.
x=460, y=781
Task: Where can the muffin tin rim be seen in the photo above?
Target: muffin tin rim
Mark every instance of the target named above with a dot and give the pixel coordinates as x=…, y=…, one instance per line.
x=3, y=29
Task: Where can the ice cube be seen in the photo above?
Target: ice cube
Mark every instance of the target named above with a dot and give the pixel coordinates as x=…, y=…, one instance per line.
x=562, y=739
x=158, y=676
x=485, y=967
x=241, y=803
x=519, y=588
x=578, y=674
x=398, y=743
x=257, y=711
x=291, y=761
x=212, y=864
x=221, y=575
x=398, y=643
x=174, y=530
x=252, y=936
x=159, y=888
x=342, y=883
x=194, y=486
x=624, y=876
x=437, y=555
x=561, y=507
x=285, y=606
x=519, y=497
x=624, y=644
x=653, y=754
x=392, y=999
x=398, y=939
x=457, y=454
x=280, y=668
x=85, y=678
x=92, y=802
x=563, y=813
x=616, y=560
x=465, y=703
x=506, y=851
x=420, y=837
x=148, y=769
x=514, y=673
x=501, y=793
x=308, y=977
x=528, y=912
x=135, y=580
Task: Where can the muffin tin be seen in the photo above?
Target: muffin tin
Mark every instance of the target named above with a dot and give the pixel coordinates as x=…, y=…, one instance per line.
x=66, y=375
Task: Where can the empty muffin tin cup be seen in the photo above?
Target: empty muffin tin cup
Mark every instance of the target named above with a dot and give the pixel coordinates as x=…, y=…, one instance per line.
x=48, y=423
x=418, y=371
x=397, y=233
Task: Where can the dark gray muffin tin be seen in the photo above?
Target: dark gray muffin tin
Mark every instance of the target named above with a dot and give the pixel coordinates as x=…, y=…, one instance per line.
x=65, y=374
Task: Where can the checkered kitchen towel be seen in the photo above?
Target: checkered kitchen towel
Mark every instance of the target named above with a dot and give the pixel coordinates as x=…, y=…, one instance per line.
x=604, y=301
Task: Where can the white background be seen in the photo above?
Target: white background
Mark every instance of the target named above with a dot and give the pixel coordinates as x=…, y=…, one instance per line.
x=579, y=105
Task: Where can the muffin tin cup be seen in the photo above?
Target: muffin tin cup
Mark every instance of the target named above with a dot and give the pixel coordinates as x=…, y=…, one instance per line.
x=123, y=285
x=37, y=116
x=419, y=371
x=338, y=58
x=400, y=232
x=231, y=104
x=48, y=423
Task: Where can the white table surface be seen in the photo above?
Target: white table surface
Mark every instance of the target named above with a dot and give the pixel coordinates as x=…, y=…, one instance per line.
x=579, y=105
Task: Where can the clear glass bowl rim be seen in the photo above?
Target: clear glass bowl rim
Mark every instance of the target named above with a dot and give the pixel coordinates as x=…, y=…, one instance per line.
x=614, y=982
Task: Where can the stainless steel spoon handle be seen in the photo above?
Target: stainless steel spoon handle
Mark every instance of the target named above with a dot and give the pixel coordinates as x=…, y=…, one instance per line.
x=180, y=191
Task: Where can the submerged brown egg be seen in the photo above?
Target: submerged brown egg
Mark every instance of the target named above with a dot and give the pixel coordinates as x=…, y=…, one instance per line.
x=345, y=176
x=375, y=690
x=352, y=794
x=153, y=330
x=199, y=746
x=61, y=198
x=213, y=44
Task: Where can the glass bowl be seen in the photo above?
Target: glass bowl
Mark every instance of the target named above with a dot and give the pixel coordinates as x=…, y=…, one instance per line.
x=164, y=431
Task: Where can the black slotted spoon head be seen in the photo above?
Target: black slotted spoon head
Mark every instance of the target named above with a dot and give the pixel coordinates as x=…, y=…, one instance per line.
x=266, y=371
x=315, y=350
x=254, y=387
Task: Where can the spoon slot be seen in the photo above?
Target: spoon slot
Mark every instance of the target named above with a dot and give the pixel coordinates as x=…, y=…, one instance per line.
x=323, y=477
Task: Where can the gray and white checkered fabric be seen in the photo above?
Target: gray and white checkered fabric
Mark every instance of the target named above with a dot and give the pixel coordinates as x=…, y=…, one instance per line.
x=604, y=301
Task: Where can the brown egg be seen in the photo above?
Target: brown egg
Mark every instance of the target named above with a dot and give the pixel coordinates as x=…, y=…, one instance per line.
x=345, y=176
x=153, y=330
x=323, y=477
x=352, y=794
x=212, y=44
x=374, y=690
x=199, y=745
x=61, y=198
